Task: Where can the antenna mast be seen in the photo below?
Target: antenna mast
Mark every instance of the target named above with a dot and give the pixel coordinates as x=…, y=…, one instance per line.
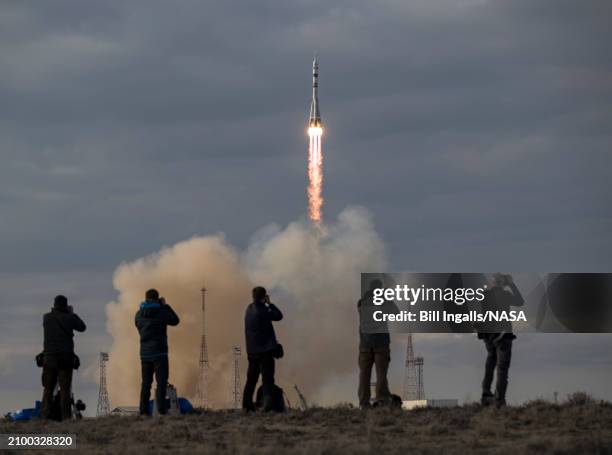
x=203, y=366
x=103, y=403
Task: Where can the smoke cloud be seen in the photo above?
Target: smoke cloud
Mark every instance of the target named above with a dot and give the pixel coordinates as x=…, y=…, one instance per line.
x=312, y=274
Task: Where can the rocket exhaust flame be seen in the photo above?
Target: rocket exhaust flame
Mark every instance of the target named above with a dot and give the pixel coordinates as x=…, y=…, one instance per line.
x=315, y=174
x=315, y=152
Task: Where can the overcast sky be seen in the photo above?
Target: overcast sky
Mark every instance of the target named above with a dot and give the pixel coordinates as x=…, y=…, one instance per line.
x=478, y=133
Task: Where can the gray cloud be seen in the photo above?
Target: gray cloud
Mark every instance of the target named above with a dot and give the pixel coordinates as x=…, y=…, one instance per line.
x=477, y=132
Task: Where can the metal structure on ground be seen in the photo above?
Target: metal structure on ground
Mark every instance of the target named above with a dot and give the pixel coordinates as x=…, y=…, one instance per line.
x=103, y=401
x=237, y=386
x=414, y=388
x=202, y=399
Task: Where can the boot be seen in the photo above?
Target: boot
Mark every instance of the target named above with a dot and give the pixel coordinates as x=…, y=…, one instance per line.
x=487, y=399
x=500, y=398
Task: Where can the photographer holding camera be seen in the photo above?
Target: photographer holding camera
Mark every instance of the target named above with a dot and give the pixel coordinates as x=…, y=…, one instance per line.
x=152, y=319
x=262, y=348
x=498, y=337
x=59, y=359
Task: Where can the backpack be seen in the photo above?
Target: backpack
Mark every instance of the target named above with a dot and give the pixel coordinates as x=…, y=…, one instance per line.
x=277, y=400
x=394, y=401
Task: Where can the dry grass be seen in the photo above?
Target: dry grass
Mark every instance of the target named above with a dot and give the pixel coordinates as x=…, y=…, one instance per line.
x=575, y=427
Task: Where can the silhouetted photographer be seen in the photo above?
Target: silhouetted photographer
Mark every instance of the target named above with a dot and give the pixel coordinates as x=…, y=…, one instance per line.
x=262, y=350
x=500, y=296
x=152, y=319
x=58, y=358
x=374, y=347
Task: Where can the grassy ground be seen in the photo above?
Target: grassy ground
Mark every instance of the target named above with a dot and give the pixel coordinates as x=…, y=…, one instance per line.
x=578, y=426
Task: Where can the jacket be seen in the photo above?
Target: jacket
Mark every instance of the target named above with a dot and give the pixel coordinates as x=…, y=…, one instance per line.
x=59, y=326
x=151, y=320
x=372, y=334
x=258, y=329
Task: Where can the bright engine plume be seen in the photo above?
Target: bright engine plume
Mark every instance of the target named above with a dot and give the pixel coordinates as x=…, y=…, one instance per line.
x=315, y=152
x=315, y=173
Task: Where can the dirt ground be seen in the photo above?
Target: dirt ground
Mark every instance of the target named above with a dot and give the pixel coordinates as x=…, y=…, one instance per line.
x=578, y=426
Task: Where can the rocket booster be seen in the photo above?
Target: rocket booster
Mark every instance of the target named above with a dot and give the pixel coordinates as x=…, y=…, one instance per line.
x=315, y=115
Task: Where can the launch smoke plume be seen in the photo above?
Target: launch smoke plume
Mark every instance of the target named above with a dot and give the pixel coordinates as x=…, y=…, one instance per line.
x=315, y=173
x=313, y=278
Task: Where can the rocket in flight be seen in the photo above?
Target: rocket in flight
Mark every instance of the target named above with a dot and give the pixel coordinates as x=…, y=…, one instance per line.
x=315, y=114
